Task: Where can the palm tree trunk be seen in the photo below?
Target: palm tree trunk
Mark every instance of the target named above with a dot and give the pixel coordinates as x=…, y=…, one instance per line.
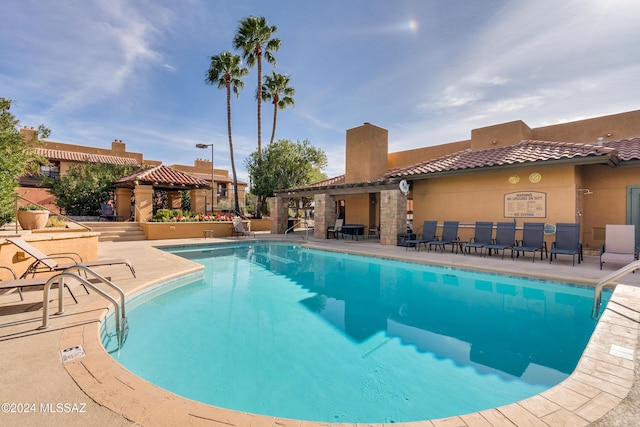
x=236, y=205
x=258, y=200
x=273, y=129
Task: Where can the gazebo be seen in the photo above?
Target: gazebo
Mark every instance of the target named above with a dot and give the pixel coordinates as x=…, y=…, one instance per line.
x=139, y=188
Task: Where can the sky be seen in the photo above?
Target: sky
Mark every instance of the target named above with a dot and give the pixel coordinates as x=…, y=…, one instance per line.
x=428, y=71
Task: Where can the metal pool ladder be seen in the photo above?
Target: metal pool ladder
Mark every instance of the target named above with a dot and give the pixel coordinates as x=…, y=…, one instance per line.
x=597, y=293
x=120, y=314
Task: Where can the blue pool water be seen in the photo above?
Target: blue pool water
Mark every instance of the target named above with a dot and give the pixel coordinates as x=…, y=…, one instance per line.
x=286, y=331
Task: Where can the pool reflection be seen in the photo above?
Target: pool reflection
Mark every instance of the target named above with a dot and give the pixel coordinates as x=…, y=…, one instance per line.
x=491, y=321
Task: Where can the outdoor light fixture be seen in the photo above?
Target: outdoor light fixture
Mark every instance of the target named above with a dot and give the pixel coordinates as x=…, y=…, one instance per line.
x=207, y=146
x=586, y=191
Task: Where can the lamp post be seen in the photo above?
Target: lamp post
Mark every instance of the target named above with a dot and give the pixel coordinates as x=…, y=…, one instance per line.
x=212, y=182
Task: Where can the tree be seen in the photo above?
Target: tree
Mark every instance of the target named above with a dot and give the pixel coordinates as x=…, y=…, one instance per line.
x=285, y=164
x=17, y=158
x=254, y=40
x=85, y=186
x=226, y=71
x=276, y=89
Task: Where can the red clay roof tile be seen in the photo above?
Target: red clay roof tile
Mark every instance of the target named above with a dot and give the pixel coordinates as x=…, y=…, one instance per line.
x=527, y=151
x=72, y=156
x=164, y=175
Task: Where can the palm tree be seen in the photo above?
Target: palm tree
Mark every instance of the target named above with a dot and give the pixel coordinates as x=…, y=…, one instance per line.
x=226, y=71
x=254, y=40
x=276, y=88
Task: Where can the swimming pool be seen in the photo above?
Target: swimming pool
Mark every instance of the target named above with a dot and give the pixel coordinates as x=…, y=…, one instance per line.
x=271, y=328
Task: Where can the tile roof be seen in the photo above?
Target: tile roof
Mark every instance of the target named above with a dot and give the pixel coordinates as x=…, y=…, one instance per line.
x=73, y=156
x=217, y=178
x=527, y=151
x=628, y=149
x=164, y=176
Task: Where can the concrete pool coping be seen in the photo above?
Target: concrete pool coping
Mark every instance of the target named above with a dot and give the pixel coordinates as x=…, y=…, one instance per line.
x=603, y=382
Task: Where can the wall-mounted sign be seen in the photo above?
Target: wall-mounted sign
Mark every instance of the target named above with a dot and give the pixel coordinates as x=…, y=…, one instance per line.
x=525, y=204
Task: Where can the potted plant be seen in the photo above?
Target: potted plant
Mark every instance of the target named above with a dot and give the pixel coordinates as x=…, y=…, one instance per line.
x=32, y=217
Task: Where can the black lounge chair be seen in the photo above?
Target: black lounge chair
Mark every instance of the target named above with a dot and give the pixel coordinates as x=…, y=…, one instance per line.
x=505, y=239
x=428, y=235
x=567, y=242
x=449, y=237
x=532, y=240
x=482, y=237
x=49, y=263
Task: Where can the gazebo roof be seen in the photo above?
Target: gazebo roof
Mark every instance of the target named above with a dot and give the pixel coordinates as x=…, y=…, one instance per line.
x=163, y=177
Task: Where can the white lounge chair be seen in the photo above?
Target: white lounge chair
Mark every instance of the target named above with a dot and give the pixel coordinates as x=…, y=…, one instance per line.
x=619, y=245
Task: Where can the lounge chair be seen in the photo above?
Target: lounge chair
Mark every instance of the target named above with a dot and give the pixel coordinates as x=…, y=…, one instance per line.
x=238, y=228
x=505, y=239
x=481, y=238
x=49, y=263
x=428, y=235
x=449, y=237
x=336, y=229
x=567, y=242
x=532, y=240
x=19, y=284
x=619, y=245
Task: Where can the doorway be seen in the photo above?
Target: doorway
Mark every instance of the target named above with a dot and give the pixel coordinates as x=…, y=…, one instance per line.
x=633, y=209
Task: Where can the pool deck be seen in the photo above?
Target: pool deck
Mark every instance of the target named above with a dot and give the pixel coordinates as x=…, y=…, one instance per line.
x=94, y=389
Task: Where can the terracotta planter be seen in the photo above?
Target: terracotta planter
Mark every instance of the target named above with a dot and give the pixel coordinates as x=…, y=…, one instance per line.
x=33, y=220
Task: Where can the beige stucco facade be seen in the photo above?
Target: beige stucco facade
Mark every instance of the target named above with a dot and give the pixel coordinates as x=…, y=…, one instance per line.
x=586, y=191
x=63, y=155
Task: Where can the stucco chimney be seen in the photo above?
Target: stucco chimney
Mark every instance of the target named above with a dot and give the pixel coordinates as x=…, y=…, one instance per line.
x=366, y=153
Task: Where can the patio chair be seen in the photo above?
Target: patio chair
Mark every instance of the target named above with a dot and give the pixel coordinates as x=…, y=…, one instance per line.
x=619, y=244
x=449, y=237
x=428, y=235
x=532, y=240
x=481, y=238
x=107, y=212
x=567, y=242
x=336, y=229
x=19, y=284
x=505, y=239
x=49, y=263
x=238, y=228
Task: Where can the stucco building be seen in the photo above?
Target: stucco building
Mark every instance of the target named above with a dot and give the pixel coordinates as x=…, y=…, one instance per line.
x=585, y=172
x=62, y=156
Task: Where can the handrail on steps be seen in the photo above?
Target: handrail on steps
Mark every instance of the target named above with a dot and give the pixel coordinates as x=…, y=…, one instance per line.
x=120, y=313
x=300, y=221
x=597, y=292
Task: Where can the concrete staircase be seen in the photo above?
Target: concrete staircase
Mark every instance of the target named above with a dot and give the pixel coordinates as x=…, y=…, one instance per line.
x=112, y=231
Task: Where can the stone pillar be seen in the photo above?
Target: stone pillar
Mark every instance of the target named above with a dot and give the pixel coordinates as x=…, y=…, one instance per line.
x=144, y=203
x=393, y=216
x=123, y=203
x=324, y=214
x=174, y=199
x=197, y=199
x=279, y=208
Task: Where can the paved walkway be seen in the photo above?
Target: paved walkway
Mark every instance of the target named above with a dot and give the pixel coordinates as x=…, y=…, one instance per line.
x=95, y=390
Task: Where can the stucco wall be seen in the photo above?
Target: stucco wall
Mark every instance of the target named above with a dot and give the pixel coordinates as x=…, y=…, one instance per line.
x=608, y=203
x=480, y=196
x=85, y=244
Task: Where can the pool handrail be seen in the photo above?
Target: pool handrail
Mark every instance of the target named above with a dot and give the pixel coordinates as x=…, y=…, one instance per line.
x=300, y=221
x=120, y=314
x=607, y=280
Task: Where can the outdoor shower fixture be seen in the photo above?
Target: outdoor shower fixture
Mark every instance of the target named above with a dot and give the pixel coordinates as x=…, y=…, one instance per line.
x=586, y=191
